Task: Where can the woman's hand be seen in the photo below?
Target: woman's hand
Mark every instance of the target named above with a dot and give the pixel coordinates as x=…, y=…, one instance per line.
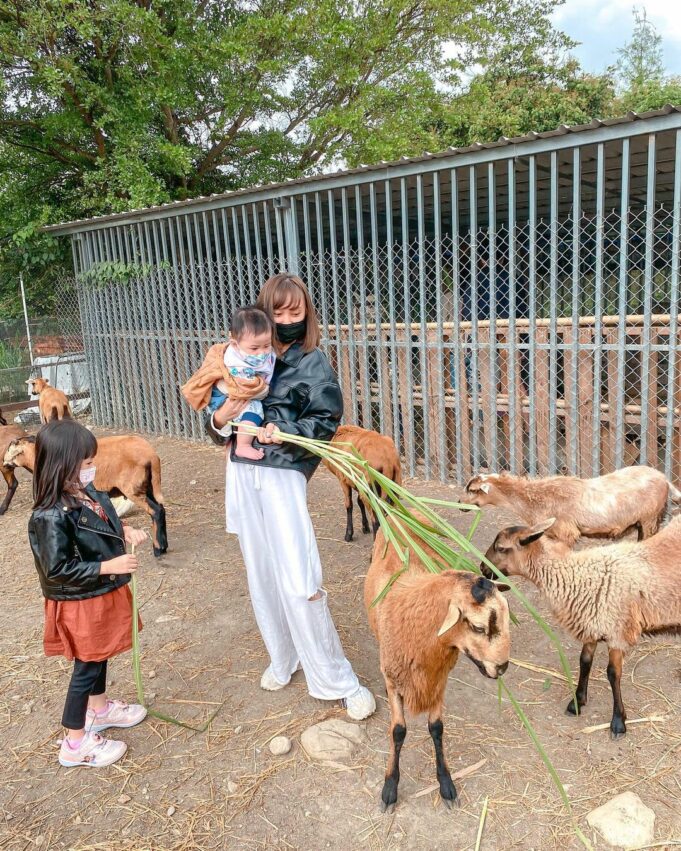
x=134, y=537
x=119, y=565
x=228, y=411
x=269, y=434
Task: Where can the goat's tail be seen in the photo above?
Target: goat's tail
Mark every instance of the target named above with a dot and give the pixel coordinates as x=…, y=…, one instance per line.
x=3, y=421
x=54, y=413
x=674, y=494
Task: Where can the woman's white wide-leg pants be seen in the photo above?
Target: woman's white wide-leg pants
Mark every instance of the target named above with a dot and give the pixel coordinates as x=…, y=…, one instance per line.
x=267, y=509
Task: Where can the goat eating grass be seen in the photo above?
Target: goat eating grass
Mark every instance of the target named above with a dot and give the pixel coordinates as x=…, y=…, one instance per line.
x=422, y=625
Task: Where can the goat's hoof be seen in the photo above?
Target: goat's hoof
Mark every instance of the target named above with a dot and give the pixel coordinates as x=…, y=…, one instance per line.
x=570, y=709
x=348, y=539
x=617, y=729
x=389, y=795
x=365, y=530
x=158, y=553
x=448, y=792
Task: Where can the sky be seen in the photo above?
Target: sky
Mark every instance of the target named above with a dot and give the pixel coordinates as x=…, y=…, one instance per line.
x=604, y=25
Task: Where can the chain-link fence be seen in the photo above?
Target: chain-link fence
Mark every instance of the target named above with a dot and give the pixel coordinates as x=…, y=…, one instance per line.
x=577, y=372
x=48, y=346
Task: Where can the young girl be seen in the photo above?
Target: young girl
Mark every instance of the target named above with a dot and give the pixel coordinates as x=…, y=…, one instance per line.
x=78, y=544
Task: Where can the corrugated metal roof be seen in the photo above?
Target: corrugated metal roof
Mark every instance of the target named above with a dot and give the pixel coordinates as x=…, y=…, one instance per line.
x=563, y=130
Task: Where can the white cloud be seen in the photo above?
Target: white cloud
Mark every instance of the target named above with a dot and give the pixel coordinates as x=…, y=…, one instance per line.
x=664, y=14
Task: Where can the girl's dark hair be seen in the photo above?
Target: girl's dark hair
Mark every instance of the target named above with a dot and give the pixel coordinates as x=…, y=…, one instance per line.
x=283, y=289
x=250, y=320
x=60, y=448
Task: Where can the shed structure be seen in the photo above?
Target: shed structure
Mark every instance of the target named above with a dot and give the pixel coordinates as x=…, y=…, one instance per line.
x=512, y=305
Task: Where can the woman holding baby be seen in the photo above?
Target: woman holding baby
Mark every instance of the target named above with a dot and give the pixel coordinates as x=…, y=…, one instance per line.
x=266, y=496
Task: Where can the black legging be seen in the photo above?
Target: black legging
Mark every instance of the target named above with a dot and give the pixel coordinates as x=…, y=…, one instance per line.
x=88, y=678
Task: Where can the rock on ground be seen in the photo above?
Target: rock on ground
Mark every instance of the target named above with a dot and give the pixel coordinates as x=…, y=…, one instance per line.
x=332, y=739
x=624, y=822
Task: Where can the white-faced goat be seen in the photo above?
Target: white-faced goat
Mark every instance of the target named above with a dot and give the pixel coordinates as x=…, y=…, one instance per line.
x=608, y=506
x=127, y=465
x=422, y=624
x=381, y=453
x=613, y=594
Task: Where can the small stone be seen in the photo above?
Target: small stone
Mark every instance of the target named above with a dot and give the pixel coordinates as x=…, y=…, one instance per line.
x=193, y=482
x=307, y=814
x=332, y=739
x=170, y=811
x=9, y=817
x=151, y=695
x=151, y=674
x=238, y=729
x=125, y=831
x=232, y=787
x=625, y=821
x=280, y=745
x=124, y=799
x=77, y=820
x=145, y=791
x=39, y=840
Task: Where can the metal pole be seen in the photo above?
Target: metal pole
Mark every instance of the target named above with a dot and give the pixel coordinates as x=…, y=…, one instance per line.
x=28, y=327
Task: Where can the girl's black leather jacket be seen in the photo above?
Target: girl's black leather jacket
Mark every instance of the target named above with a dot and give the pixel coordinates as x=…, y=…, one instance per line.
x=69, y=546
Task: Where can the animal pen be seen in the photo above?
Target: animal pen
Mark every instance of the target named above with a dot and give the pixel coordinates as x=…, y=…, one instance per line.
x=512, y=305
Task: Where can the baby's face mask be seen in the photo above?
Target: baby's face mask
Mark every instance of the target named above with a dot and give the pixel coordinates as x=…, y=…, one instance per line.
x=255, y=349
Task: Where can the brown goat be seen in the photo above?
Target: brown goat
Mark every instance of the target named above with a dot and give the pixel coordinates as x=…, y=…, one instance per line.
x=421, y=625
x=608, y=506
x=53, y=404
x=381, y=453
x=614, y=593
x=127, y=465
x=8, y=434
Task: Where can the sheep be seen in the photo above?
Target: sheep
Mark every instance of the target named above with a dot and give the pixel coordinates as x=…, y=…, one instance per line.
x=421, y=625
x=52, y=403
x=127, y=465
x=8, y=434
x=614, y=593
x=607, y=506
x=381, y=453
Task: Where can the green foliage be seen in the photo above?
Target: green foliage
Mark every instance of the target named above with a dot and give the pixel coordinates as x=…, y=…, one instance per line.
x=640, y=60
x=11, y=356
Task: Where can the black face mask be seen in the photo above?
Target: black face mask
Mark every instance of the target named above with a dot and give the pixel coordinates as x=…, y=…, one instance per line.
x=291, y=332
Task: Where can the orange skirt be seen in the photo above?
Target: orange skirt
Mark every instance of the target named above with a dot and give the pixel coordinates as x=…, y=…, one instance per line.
x=91, y=630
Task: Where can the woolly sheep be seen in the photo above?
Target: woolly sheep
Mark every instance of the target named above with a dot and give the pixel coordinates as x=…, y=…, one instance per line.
x=613, y=594
x=607, y=506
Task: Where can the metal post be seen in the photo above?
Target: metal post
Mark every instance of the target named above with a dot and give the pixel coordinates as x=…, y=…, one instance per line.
x=598, y=313
x=28, y=327
x=553, y=310
x=674, y=315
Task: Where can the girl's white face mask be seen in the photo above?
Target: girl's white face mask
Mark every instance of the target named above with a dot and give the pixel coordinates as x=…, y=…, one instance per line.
x=87, y=476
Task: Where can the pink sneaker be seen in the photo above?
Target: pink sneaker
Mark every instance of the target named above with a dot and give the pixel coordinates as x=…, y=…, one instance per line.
x=118, y=714
x=94, y=751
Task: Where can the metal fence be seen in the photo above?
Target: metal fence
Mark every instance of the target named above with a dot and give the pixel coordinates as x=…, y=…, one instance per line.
x=510, y=307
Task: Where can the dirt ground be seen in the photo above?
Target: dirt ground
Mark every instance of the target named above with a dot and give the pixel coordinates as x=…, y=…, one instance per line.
x=223, y=789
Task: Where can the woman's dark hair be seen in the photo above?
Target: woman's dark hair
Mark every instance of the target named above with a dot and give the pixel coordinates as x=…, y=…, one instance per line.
x=250, y=320
x=60, y=448
x=283, y=289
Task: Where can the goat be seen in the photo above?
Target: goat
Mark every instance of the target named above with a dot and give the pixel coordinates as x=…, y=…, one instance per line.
x=614, y=593
x=607, y=506
x=421, y=625
x=53, y=404
x=381, y=453
x=127, y=465
x=8, y=434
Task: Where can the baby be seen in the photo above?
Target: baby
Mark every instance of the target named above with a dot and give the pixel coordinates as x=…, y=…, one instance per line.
x=240, y=369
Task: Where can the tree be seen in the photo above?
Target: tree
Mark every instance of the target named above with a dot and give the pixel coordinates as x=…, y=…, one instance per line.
x=640, y=60
x=107, y=105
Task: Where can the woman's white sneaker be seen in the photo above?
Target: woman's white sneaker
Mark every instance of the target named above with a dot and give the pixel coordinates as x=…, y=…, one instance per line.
x=269, y=682
x=360, y=705
x=94, y=751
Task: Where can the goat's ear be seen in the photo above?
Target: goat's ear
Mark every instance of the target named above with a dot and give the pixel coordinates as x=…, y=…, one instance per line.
x=470, y=482
x=501, y=586
x=452, y=618
x=536, y=531
x=484, y=487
